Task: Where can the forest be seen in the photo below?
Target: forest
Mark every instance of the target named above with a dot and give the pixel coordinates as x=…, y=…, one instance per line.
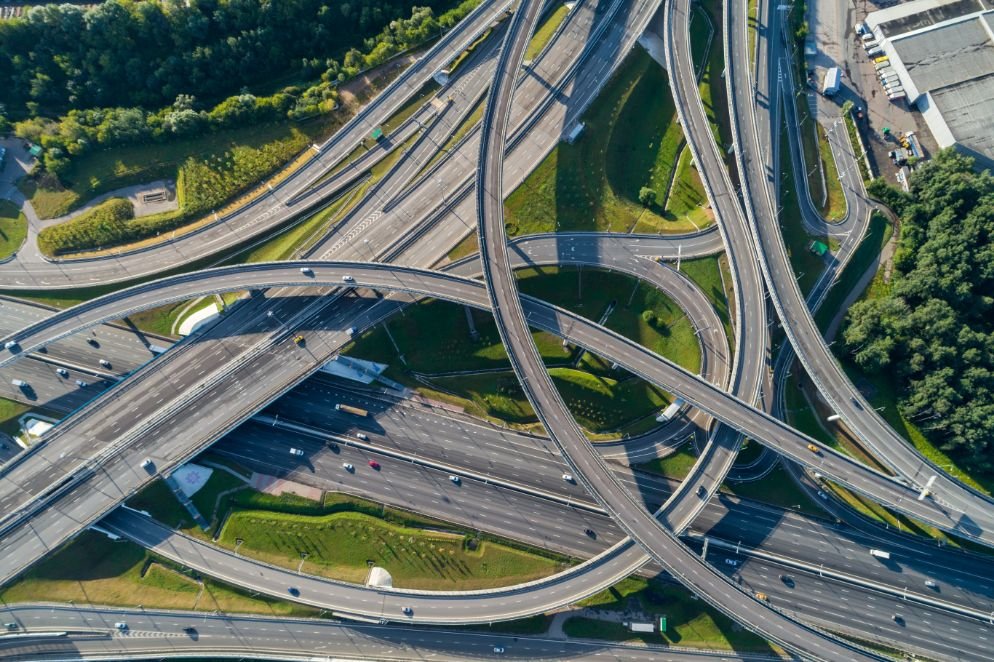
x=933, y=331
x=145, y=53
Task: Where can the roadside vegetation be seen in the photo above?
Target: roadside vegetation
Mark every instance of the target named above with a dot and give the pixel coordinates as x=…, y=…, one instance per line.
x=214, y=153
x=10, y=411
x=676, y=465
x=13, y=228
x=707, y=19
x=545, y=31
x=689, y=621
x=431, y=346
x=927, y=339
x=617, y=174
x=92, y=569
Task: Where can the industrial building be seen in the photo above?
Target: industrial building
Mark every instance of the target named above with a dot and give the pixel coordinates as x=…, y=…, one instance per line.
x=943, y=54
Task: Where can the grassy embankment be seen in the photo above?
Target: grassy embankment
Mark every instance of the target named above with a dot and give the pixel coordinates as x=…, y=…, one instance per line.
x=13, y=228
x=435, y=341
x=690, y=622
x=631, y=140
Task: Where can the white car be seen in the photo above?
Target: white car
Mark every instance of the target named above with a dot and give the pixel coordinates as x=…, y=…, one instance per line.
x=348, y=466
x=568, y=478
x=348, y=279
x=361, y=435
x=307, y=271
x=121, y=625
x=350, y=331
x=732, y=562
x=296, y=451
x=498, y=650
x=105, y=363
x=455, y=479
x=62, y=372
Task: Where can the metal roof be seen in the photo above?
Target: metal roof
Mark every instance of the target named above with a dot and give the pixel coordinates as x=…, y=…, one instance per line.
x=967, y=109
x=946, y=55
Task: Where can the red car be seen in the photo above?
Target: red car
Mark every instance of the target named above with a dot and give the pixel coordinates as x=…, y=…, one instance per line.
x=374, y=464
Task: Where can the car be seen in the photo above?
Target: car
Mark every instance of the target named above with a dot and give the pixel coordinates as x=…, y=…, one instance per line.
x=374, y=464
x=787, y=580
x=93, y=342
x=702, y=491
x=348, y=279
x=897, y=618
x=80, y=383
x=105, y=363
x=148, y=466
x=455, y=479
x=11, y=626
x=296, y=451
x=856, y=402
x=294, y=591
x=348, y=466
x=298, y=340
x=190, y=632
x=362, y=436
x=568, y=478
x=19, y=383
x=62, y=372
x=307, y=271
x=590, y=533
x=350, y=331
x=408, y=611
x=498, y=650
x=822, y=495
x=10, y=344
x=813, y=448
x=121, y=625
x=762, y=596
x=931, y=584
x=733, y=562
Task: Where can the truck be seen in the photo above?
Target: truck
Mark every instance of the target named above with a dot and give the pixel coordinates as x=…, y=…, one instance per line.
x=880, y=554
x=641, y=627
x=667, y=414
x=349, y=409
x=833, y=80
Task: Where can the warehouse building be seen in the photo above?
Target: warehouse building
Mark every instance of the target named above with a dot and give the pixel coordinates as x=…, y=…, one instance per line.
x=943, y=54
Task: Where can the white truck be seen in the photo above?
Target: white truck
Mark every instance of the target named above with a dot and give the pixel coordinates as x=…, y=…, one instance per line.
x=641, y=627
x=880, y=554
x=667, y=414
x=833, y=81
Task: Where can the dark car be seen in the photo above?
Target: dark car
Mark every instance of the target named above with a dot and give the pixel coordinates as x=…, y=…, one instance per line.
x=590, y=533
x=294, y=591
x=787, y=580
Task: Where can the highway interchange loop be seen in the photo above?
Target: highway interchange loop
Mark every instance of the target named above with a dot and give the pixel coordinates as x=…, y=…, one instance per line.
x=735, y=412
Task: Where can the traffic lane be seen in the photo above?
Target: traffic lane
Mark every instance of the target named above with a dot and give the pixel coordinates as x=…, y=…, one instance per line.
x=170, y=632
x=631, y=356
x=47, y=387
x=119, y=411
x=216, y=407
x=961, y=579
x=864, y=613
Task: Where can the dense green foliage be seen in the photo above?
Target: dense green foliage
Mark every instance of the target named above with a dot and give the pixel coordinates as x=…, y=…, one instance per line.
x=145, y=53
x=119, y=56
x=934, y=330
x=104, y=224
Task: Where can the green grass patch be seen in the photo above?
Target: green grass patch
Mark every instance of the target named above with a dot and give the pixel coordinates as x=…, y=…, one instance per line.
x=687, y=199
x=712, y=85
x=777, y=488
x=339, y=545
x=105, y=170
x=468, y=246
x=160, y=320
x=690, y=622
x=878, y=234
x=711, y=275
x=13, y=228
x=676, y=465
x=835, y=207
x=854, y=139
x=92, y=569
x=108, y=223
x=632, y=140
x=545, y=31
x=753, y=13
x=10, y=411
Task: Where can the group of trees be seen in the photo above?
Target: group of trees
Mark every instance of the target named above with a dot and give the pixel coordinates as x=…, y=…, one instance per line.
x=934, y=330
x=147, y=53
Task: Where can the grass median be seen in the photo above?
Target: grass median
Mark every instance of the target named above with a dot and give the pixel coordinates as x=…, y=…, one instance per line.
x=13, y=228
x=689, y=621
x=631, y=141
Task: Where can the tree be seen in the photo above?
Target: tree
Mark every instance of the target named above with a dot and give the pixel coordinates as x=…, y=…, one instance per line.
x=647, y=196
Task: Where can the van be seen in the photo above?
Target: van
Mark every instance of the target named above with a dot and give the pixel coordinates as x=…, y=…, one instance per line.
x=19, y=383
x=876, y=51
x=880, y=554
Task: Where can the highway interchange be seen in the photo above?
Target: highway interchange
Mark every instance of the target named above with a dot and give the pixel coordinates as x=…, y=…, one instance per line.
x=216, y=379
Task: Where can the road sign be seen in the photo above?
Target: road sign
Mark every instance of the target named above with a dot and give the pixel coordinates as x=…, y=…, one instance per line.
x=662, y=624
